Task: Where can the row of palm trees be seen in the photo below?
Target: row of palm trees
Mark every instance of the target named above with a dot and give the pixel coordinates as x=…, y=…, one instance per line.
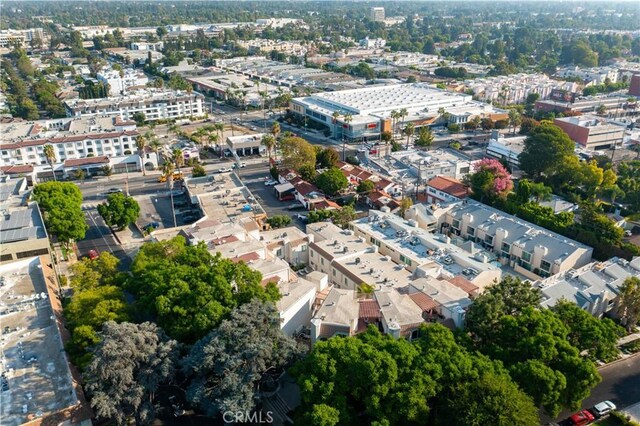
x=270, y=140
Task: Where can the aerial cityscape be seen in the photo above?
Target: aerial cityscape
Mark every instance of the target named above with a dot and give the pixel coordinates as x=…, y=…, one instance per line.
x=320, y=213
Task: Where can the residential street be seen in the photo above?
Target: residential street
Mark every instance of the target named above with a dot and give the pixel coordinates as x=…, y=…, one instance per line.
x=620, y=384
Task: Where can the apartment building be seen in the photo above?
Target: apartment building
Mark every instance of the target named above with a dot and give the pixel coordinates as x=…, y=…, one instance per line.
x=424, y=253
x=443, y=189
x=594, y=287
x=121, y=84
x=592, y=132
x=594, y=75
x=154, y=104
x=514, y=88
x=90, y=143
x=376, y=14
x=529, y=249
x=372, y=43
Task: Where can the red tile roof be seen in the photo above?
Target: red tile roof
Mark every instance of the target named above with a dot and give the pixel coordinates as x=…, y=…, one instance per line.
x=423, y=301
x=324, y=204
x=449, y=185
x=15, y=170
x=369, y=309
x=86, y=161
x=275, y=279
x=247, y=257
x=302, y=186
x=464, y=284
x=224, y=240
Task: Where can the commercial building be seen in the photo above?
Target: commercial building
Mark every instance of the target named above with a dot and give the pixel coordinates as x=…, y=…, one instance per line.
x=376, y=14
x=634, y=87
x=22, y=38
x=507, y=149
x=154, y=104
x=370, y=109
x=613, y=104
x=87, y=143
x=243, y=145
x=594, y=287
x=530, y=250
x=121, y=84
x=592, y=132
x=38, y=385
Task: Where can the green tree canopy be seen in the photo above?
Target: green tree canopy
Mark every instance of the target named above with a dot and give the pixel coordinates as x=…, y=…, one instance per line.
x=120, y=210
x=629, y=308
x=546, y=150
x=296, y=152
x=228, y=366
x=331, y=181
x=328, y=158
x=189, y=290
x=63, y=216
x=365, y=187
x=128, y=366
x=90, y=274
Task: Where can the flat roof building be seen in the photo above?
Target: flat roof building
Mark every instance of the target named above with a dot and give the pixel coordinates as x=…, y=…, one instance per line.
x=530, y=250
x=371, y=107
x=592, y=132
x=154, y=104
x=376, y=14
x=594, y=287
x=39, y=385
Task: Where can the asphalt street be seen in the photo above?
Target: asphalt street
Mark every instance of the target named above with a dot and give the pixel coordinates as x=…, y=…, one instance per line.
x=620, y=384
x=100, y=239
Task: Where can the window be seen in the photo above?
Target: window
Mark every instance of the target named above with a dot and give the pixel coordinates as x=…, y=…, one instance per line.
x=526, y=256
x=471, y=231
x=455, y=223
x=405, y=260
x=303, y=247
x=488, y=239
x=322, y=260
x=506, y=247
x=279, y=253
x=545, y=266
x=32, y=253
x=414, y=334
x=334, y=272
x=5, y=153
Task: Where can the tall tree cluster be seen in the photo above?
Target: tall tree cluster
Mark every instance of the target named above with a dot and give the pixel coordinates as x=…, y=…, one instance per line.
x=61, y=205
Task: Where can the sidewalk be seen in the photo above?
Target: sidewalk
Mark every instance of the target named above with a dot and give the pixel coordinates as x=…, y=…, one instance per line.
x=633, y=411
x=627, y=339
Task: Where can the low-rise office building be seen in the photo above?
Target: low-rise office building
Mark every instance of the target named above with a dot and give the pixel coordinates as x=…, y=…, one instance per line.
x=243, y=145
x=507, y=149
x=592, y=132
x=154, y=104
x=22, y=38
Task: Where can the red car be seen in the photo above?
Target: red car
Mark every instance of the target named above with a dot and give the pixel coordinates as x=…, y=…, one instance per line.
x=582, y=418
x=93, y=254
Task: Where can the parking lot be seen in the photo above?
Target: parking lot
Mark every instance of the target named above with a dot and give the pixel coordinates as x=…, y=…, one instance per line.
x=253, y=179
x=156, y=210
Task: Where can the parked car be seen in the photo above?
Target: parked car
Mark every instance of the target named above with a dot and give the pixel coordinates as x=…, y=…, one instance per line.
x=93, y=254
x=224, y=169
x=113, y=191
x=302, y=217
x=602, y=409
x=271, y=182
x=582, y=418
x=242, y=165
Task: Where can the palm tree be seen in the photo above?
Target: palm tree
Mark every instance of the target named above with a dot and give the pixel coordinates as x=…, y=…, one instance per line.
x=212, y=138
x=403, y=114
x=50, y=154
x=167, y=170
x=220, y=130
x=178, y=158
x=409, y=130
x=269, y=143
x=348, y=118
x=275, y=129
x=155, y=145
x=514, y=119
x=141, y=143
x=394, y=116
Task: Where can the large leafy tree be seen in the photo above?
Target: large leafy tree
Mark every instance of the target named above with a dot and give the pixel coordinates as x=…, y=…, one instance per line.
x=189, y=290
x=376, y=379
x=328, y=158
x=546, y=150
x=128, y=366
x=509, y=296
x=489, y=180
x=297, y=152
x=120, y=210
x=61, y=203
x=229, y=366
x=332, y=181
x=587, y=333
x=90, y=274
x=629, y=308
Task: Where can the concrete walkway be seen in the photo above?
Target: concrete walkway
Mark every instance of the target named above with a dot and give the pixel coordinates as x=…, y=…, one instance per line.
x=633, y=411
x=627, y=339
